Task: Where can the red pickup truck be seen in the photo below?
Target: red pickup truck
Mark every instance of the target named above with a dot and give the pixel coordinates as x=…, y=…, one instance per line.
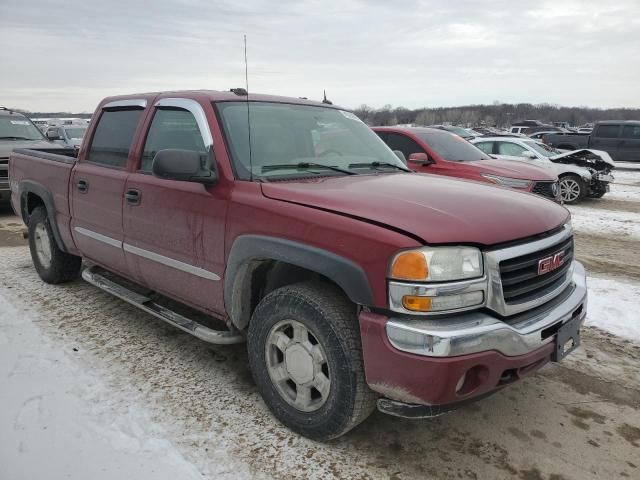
x=287, y=223
x=435, y=151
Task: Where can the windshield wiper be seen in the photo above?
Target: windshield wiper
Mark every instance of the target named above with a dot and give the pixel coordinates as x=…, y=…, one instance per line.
x=305, y=166
x=16, y=138
x=379, y=164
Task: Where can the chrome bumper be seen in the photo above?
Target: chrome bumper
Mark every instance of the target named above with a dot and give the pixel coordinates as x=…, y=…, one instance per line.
x=479, y=331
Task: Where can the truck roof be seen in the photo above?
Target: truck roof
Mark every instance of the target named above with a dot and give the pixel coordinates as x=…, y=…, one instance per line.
x=220, y=96
x=618, y=122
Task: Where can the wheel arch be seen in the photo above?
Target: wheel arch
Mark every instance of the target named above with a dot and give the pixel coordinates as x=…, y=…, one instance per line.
x=33, y=195
x=259, y=264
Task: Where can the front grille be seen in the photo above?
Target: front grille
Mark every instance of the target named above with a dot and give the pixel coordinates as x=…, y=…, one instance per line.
x=521, y=281
x=546, y=189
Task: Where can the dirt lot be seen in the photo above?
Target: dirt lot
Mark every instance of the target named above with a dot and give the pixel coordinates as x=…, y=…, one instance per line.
x=575, y=420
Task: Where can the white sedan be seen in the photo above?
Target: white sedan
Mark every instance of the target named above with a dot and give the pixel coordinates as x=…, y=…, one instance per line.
x=581, y=173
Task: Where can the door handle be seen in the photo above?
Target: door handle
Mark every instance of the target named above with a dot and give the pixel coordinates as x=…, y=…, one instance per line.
x=83, y=186
x=132, y=196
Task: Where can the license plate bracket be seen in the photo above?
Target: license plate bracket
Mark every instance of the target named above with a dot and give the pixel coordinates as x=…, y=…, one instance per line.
x=567, y=339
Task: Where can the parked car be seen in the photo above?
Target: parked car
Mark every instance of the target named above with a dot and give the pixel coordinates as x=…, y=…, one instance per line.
x=465, y=133
x=305, y=235
x=620, y=139
x=442, y=153
x=67, y=135
x=16, y=131
x=582, y=173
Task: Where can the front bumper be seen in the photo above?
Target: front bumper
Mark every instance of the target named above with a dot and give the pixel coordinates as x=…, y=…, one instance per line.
x=454, y=359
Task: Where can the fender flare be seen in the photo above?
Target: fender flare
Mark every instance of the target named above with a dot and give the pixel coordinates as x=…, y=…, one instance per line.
x=252, y=249
x=27, y=186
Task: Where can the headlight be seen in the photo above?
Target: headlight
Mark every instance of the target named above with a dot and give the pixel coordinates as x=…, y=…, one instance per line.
x=437, y=264
x=436, y=280
x=507, y=182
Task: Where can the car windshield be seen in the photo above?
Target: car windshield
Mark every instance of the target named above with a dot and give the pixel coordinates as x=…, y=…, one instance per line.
x=295, y=140
x=542, y=149
x=18, y=128
x=452, y=147
x=75, y=132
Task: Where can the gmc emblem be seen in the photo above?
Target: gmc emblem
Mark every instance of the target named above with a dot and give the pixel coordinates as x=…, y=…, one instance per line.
x=549, y=264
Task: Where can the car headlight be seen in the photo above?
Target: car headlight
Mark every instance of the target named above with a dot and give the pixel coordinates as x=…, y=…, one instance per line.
x=437, y=264
x=507, y=181
x=436, y=280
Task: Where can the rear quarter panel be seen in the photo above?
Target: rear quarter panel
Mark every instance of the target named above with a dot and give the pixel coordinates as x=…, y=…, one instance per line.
x=51, y=176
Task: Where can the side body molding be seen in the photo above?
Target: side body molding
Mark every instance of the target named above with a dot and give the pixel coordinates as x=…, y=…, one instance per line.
x=248, y=251
x=27, y=186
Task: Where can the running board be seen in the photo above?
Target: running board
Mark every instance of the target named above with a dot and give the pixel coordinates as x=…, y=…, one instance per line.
x=144, y=303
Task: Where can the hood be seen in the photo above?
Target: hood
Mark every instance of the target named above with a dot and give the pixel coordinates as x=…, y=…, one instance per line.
x=7, y=146
x=587, y=158
x=433, y=208
x=506, y=168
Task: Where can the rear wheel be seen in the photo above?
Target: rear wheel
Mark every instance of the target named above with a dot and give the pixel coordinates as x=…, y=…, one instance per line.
x=572, y=188
x=305, y=355
x=52, y=264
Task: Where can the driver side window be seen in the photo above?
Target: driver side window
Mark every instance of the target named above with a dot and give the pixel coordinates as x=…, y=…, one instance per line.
x=171, y=128
x=510, y=149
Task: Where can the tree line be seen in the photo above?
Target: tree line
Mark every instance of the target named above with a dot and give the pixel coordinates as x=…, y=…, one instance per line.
x=497, y=114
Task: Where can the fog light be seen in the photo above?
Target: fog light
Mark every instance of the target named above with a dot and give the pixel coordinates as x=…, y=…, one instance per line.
x=461, y=382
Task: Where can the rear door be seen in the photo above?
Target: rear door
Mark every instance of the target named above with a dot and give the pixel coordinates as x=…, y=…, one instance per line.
x=97, y=185
x=174, y=230
x=629, y=146
x=606, y=137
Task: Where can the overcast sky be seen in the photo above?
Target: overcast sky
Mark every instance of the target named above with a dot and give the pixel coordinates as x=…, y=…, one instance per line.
x=68, y=55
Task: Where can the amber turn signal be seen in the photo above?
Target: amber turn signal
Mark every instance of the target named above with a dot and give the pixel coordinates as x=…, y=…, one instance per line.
x=410, y=266
x=416, y=304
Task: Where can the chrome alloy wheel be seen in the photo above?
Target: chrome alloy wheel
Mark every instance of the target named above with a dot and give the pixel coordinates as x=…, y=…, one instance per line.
x=297, y=365
x=569, y=190
x=43, y=245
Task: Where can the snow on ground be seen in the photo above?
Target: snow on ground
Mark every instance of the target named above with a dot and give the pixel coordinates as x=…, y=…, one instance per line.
x=613, y=306
x=605, y=222
x=58, y=420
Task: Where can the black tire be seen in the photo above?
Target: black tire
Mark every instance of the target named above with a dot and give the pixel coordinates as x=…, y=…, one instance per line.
x=597, y=193
x=331, y=318
x=61, y=267
x=573, y=180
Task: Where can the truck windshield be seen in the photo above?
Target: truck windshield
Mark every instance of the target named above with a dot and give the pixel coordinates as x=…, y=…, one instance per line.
x=452, y=147
x=304, y=137
x=16, y=128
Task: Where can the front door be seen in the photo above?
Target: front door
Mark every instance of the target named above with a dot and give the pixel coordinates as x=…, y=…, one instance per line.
x=97, y=188
x=629, y=146
x=606, y=137
x=174, y=230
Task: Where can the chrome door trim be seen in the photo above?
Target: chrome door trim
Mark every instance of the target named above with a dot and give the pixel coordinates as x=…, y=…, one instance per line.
x=170, y=262
x=99, y=237
x=132, y=102
x=196, y=110
x=156, y=257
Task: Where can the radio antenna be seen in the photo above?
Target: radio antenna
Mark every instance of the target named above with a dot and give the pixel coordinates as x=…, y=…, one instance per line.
x=246, y=83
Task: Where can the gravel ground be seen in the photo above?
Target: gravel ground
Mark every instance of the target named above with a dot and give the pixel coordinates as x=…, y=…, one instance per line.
x=575, y=420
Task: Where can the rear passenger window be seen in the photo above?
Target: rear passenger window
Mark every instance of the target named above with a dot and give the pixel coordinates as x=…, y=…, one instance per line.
x=486, y=147
x=406, y=145
x=112, y=140
x=171, y=128
x=607, y=131
x=631, y=131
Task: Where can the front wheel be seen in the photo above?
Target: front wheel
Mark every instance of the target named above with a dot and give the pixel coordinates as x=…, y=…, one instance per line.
x=52, y=264
x=572, y=188
x=305, y=355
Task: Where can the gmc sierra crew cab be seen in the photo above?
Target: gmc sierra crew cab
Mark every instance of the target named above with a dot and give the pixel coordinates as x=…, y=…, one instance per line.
x=290, y=225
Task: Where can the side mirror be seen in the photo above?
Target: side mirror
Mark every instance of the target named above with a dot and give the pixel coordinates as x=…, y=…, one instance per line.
x=421, y=159
x=401, y=156
x=183, y=165
x=529, y=155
